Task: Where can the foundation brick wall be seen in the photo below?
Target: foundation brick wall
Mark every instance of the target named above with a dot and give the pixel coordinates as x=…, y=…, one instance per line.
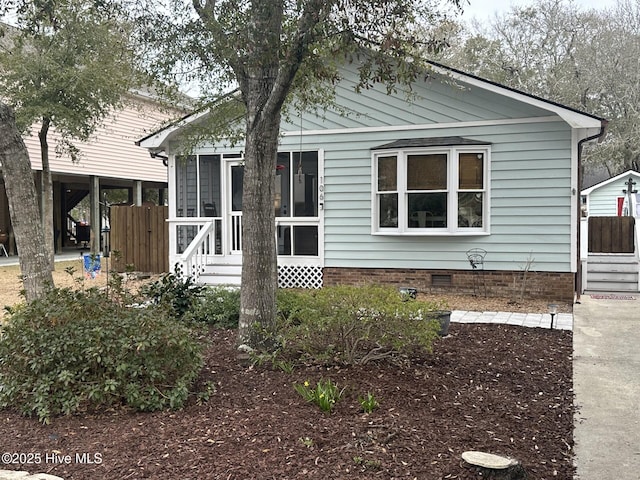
x=543, y=285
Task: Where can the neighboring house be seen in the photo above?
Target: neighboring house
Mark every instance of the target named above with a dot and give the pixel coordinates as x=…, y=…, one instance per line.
x=610, y=198
x=108, y=160
x=611, y=234
x=399, y=190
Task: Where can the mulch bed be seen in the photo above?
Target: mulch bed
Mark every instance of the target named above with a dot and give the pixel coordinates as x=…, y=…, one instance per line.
x=496, y=388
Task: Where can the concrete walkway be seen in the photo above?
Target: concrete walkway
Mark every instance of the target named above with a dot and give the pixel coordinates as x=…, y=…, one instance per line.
x=65, y=256
x=562, y=321
x=606, y=380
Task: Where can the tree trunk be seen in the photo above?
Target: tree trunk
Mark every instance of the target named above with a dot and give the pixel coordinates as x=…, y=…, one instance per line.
x=265, y=77
x=47, y=194
x=23, y=208
x=259, y=268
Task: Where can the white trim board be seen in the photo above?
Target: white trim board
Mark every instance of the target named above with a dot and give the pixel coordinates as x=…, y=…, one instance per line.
x=633, y=173
x=423, y=126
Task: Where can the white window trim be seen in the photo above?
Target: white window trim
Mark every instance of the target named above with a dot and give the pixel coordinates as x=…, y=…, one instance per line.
x=452, y=190
x=317, y=221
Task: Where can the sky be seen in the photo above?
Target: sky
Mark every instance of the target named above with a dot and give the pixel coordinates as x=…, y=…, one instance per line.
x=482, y=9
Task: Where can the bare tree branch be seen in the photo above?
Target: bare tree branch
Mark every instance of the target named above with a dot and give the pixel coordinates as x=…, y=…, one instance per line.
x=206, y=12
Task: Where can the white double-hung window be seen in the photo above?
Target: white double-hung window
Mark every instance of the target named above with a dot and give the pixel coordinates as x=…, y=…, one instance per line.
x=440, y=186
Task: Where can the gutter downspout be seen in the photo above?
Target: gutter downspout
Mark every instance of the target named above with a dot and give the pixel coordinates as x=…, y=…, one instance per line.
x=600, y=137
x=164, y=158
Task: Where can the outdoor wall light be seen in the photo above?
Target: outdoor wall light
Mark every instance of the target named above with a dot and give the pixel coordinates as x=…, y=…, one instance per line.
x=553, y=309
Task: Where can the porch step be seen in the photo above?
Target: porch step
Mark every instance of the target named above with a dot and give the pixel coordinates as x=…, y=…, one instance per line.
x=221, y=275
x=613, y=273
x=613, y=259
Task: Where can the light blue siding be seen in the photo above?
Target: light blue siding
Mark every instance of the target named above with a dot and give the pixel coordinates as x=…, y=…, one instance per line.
x=437, y=100
x=530, y=197
x=530, y=173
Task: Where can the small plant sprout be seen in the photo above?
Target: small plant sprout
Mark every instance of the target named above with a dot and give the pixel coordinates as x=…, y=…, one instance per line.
x=325, y=394
x=205, y=393
x=71, y=271
x=285, y=366
x=368, y=403
x=367, y=464
x=306, y=441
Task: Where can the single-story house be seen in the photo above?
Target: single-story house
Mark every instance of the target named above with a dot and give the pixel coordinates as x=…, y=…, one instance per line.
x=398, y=188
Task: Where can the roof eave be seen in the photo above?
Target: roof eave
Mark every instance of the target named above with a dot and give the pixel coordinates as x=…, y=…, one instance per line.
x=574, y=118
x=159, y=140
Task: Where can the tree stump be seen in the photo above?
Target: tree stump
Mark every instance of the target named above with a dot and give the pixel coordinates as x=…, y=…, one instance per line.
x=494, y=467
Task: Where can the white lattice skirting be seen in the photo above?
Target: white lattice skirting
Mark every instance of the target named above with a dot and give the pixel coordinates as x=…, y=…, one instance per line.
x=299, y=276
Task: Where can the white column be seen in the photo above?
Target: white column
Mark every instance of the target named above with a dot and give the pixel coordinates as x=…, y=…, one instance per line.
x=96, y=219
x=137, y=193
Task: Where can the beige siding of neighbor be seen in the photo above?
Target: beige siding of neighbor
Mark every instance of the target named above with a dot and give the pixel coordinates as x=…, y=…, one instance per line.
x=111, y=151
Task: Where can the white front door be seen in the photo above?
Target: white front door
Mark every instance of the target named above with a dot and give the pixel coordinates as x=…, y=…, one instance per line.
x=235, y=175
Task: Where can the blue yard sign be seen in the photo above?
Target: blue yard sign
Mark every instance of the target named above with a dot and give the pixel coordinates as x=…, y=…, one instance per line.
x=91, y=265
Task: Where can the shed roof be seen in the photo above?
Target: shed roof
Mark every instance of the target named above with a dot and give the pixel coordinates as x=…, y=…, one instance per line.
x=628, y=173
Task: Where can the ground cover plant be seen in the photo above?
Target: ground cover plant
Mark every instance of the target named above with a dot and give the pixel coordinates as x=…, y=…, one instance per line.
x=496, y=388
x=410, y=414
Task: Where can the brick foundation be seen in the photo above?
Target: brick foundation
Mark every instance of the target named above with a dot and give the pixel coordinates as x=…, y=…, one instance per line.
x=546, y=285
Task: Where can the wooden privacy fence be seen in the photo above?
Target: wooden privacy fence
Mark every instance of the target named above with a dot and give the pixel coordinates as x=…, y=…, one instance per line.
x=611, y=234
x=140, y=239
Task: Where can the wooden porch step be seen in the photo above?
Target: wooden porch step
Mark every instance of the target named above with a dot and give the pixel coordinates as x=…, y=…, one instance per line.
x=221, y=275
x=612, y=268
x=613, y=273
x=616, y=259
x=630, y=287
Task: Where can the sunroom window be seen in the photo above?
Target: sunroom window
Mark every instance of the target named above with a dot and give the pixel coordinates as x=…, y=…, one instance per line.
x=439, y=190
x=296, y=203
x=210, y=187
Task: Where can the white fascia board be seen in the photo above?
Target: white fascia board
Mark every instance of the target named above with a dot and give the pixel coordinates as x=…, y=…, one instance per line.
x=573, y=118
x=587, y=191
x=159, y=140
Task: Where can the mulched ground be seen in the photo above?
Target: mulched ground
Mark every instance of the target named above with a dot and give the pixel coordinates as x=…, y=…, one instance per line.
x=495, y=388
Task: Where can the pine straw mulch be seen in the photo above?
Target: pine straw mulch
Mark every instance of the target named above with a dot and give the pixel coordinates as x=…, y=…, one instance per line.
x=495, y=388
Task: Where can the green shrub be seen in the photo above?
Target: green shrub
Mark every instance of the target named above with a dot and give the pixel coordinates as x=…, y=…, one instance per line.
x=292, y=303
x=218, y=306
x=75, y=349
x=175, y=292
x=356, y=325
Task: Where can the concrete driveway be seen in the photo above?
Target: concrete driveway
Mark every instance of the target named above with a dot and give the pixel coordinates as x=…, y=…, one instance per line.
x=606, y=377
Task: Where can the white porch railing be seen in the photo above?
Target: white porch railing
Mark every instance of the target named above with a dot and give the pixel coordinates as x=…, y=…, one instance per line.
x=236, y=232
x=637, y=248
x=194, y=259
x=201, y=243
